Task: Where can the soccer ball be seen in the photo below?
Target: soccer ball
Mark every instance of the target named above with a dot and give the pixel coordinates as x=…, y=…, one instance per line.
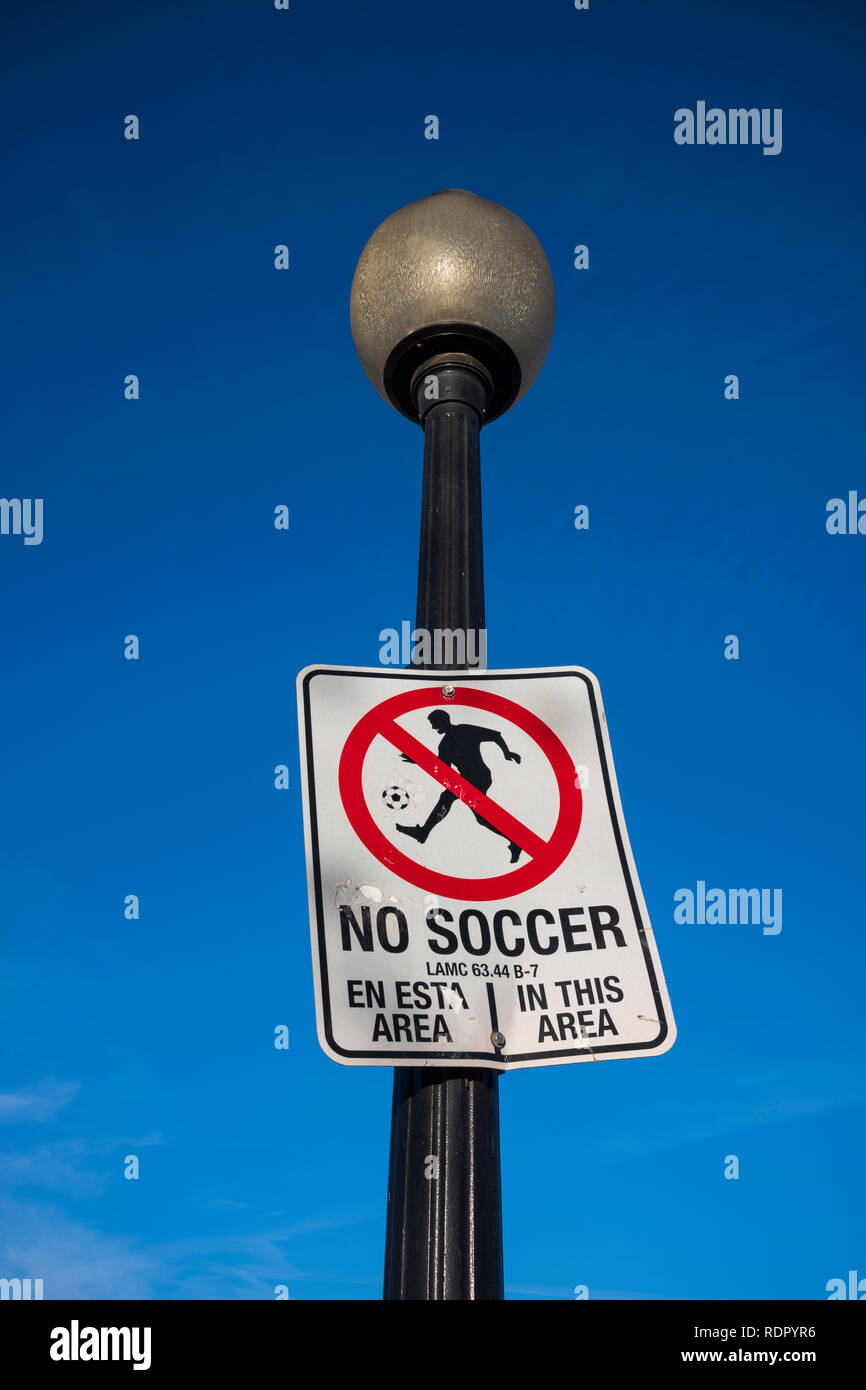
x=395, y=799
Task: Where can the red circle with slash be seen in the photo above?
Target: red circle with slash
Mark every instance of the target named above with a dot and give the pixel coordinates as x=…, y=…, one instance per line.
x=545, y=855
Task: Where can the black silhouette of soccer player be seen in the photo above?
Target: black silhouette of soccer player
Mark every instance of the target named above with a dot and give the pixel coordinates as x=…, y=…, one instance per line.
x=461, y=749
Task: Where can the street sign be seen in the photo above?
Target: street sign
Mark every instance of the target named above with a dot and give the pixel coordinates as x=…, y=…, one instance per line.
x=473, y=897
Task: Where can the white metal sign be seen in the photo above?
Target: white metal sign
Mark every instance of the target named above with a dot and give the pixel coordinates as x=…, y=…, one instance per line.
x=473, y=897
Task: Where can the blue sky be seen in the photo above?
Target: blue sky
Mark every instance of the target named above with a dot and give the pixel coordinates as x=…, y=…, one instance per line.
x=707, y=518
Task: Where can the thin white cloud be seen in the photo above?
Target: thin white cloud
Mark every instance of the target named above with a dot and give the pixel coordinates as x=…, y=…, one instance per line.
x=729, y=1103
x=256, y=1242
x=557, y=1294
x=76, y=1261
x=63, y=1164
x=72, y=1259
x=37, y=1103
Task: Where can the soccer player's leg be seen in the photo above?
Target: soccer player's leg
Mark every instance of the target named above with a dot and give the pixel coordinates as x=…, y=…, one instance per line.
x=439, y=812
x=514, y=850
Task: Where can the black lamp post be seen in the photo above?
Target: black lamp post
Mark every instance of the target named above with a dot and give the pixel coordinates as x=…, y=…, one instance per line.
x=452, y=312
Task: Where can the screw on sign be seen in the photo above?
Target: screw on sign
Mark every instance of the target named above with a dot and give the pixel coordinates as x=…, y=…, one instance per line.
x=544, y=855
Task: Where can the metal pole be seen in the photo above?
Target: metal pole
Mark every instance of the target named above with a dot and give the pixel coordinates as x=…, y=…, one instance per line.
x=444, y=1231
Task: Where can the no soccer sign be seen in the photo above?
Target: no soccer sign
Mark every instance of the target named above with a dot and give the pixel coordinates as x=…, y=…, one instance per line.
x=473, y=897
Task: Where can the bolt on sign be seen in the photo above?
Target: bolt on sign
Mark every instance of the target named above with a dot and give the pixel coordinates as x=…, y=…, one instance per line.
x=473, y=897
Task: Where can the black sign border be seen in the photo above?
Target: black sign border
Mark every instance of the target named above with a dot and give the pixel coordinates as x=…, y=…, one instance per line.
x=409, y=1058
